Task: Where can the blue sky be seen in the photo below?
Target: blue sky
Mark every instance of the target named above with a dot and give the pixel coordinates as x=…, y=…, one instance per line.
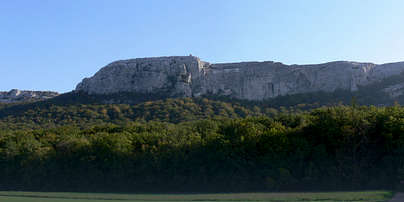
x=52, y=45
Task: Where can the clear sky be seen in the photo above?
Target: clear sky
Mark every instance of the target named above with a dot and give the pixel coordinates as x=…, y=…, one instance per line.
x=53, y=44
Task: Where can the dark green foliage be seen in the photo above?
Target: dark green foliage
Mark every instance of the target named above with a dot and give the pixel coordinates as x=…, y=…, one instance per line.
x=333, y=148
x=50, y=114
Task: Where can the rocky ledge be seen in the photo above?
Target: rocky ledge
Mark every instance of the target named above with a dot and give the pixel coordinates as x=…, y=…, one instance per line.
x=188, y=76
x=16, y=95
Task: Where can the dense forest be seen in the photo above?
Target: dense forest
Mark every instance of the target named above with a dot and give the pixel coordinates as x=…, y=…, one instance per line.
x=199, y=145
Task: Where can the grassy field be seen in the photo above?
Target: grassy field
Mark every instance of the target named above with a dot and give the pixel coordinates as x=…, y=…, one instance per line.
x=371, y=196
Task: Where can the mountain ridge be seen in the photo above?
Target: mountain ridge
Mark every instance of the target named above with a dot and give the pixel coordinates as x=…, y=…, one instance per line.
x=188, y=76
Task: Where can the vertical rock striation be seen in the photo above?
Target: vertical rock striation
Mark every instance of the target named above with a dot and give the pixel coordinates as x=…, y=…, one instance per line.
x=176, y=76
x=188, y=76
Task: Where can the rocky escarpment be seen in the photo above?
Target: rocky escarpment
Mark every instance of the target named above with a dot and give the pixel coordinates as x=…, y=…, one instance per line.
x=188, y=76
x=23, y=95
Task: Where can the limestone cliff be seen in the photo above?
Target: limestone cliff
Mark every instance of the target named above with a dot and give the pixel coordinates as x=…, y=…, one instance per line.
x=16, y=95
x=188, y=76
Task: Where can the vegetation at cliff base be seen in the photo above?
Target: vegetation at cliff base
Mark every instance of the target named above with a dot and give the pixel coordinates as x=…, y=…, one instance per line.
x=49, y=114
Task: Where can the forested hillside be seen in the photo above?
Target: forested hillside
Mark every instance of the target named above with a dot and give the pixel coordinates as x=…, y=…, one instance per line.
x=49, y=115
x=331, y=148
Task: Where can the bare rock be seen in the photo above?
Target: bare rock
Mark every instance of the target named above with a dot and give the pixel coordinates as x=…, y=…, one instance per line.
x=16, y=95
x=188, y=76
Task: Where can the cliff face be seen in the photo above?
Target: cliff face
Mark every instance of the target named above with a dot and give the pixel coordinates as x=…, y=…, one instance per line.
x=23, y=95
x=174, y=75
x=188, y=76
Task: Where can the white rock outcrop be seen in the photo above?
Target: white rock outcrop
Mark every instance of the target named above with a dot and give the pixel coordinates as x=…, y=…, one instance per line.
x=188, y=76
x=16, y=95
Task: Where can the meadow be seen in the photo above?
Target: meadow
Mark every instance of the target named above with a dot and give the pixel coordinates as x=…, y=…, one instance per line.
x=370, y=196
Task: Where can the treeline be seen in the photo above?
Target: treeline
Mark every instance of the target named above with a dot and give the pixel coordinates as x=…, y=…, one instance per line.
x=334, y=148
x=50, y=115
